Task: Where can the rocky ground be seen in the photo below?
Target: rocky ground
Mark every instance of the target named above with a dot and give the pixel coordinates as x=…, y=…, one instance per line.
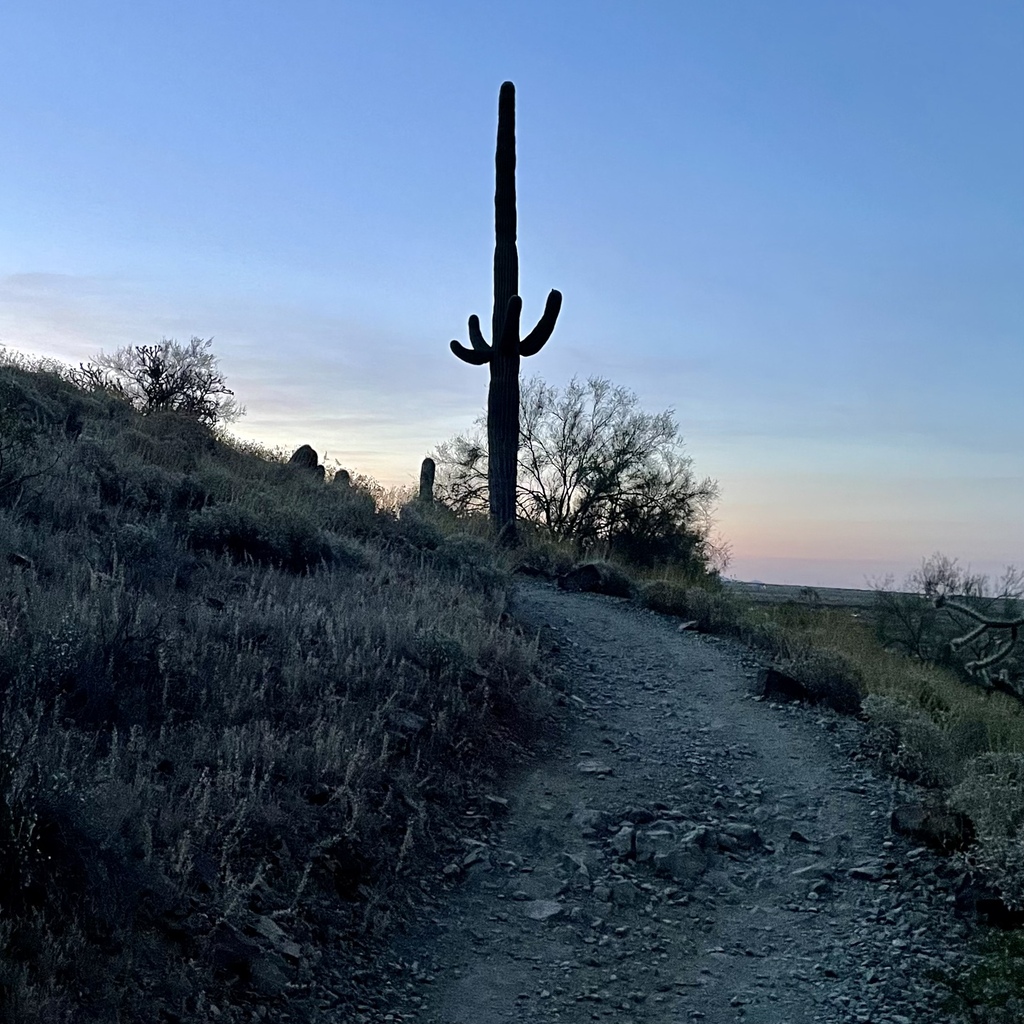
x=690, y=853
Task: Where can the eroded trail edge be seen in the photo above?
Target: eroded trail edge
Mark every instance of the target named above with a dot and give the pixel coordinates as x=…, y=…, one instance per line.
x=689, y=854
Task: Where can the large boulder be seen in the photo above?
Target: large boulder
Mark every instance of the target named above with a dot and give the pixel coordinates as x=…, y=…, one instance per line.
x=776, y=685
x=597, y=578
x=932, y=824
x=979, y=899
x=306, y=457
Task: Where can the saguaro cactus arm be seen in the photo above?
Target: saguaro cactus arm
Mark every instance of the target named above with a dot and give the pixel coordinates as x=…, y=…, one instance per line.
x=471, y=355
x=979, y=668
x=535, y=340
x=476, y=336
x=481, y=352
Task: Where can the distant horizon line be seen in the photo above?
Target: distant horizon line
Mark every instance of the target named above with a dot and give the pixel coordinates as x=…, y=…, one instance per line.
x=840, y=573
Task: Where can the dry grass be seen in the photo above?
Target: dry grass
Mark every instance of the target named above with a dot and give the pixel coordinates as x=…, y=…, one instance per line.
x=939, y=692
x=230, y=694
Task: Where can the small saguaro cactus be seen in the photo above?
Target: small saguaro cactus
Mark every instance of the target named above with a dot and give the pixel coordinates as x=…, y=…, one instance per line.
x=506, y=347
x=427, y=470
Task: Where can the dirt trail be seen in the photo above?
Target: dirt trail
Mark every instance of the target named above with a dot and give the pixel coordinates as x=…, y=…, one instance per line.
x=690, y=854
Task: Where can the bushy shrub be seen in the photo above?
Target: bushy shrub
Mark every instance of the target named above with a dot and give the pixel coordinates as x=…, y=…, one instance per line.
x=773, y=640
x=267, y=536
x=992, y=796
x=665, y=597
x=712, y=612
x=596, y=470
x=910, y=624
x=438, y=653
x=472, y=560
x=909, y=743
x=169, y=377
x=351, y=512
x=927, y=621
x=541, y=556
x=831, y=678
x=28, y=431
x=419, y=527
x=968, y=737
x=173, y=441
x=150, y=556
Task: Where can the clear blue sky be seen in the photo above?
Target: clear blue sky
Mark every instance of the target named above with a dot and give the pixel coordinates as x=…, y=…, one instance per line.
x=800, y=224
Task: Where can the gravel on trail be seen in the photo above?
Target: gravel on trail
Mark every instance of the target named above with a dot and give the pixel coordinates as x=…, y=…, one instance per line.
x=690, y=853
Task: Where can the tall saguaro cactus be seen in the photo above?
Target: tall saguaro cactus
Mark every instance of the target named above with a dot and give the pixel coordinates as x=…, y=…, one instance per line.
x=506, y=347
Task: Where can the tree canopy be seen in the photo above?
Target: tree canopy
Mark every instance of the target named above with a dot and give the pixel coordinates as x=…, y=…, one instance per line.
x=594, y=468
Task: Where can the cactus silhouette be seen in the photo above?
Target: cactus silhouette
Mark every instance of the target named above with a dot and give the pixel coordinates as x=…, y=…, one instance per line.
x=506, y=347
x=427, y=470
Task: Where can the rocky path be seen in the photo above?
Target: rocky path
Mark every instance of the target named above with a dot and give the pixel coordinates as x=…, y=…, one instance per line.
x=690, y=854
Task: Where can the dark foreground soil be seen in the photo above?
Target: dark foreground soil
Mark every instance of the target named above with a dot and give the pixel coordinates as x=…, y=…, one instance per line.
x=686, y=853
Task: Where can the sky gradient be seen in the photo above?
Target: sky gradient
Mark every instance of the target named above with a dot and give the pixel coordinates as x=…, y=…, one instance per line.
x=800, y=225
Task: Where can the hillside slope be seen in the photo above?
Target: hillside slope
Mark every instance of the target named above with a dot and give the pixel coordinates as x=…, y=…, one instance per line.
x=241, y=709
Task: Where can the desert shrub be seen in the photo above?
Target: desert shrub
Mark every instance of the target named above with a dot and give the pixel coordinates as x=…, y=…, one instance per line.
x=150, y=555
x=991, y=794
x=644, y=541
x=909, y=743
x=988, y=990
x=665, y=597
x=169, y=377
x=713, y=612
x=541, y=554
x=773, y=639
x=926, y=623
x=438, y=652
x=968, y=737
x=19, y=850
x=419, y=526
x=153, y=489
x=29, y=440
x=350, y=553
x=267, y=536
x=99, y=661
x=472, y=560
x=352, y=512
x=600, y=577
x=909, y=623
x=831, y=678
x=180, y=442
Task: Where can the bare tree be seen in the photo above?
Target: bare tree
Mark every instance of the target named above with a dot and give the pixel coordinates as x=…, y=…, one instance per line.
x=169, y=377
x=941, y=575
x=594, y=468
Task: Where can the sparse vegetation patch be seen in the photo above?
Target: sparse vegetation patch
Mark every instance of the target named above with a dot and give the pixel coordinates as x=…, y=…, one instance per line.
x=242, y=709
